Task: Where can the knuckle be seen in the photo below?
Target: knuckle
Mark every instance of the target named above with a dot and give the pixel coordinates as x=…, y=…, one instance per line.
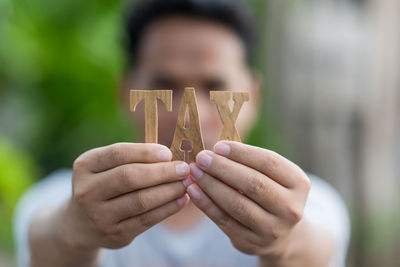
x=174, y=208
x=205, y=204
x=173, y=190
x=127, y=176
x=222, y=164
x=100, y=224
x=239, y=207
x=237, y=245
x=256, y=185
x=104, y=228
x=272, y=162
x=277, y=230
x=146, y=221
x=96, y=217
x=146, y=172
x=245, y=247
x=147, y=151
x=306, y=182
x=295, y=213
x=119, y=241
x=178, y=189
x=275, y=233
x=80, y=163
x=114, y=233
x=80, y=195
x=167, y=168
x=118, y=238
x=260, y=240
x=116, y=151
x=140, y=202
x=225, y=222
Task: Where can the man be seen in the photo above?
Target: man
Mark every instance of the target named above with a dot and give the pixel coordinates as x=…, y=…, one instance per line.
x=236, y=205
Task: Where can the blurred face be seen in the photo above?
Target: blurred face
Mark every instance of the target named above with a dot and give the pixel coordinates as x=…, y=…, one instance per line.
x=178, y=52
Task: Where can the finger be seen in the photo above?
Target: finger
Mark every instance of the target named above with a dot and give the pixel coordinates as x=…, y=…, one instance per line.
x=141, y=201
x=105, y=158
x=266, y=192
x=139, y=224
x=265, y=161
x=244, y=210
x=136, y=176
x=225, y=222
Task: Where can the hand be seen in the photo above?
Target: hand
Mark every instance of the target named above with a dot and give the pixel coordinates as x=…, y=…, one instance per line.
x=121, y=190
x=254, y=195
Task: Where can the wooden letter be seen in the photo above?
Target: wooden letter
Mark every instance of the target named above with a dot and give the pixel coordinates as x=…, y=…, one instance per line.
x=150, y=109
x=193, y=133
x=228, y=117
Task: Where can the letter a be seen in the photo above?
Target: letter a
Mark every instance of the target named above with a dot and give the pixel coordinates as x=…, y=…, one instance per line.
x=150, y=109
x=228, y=117
x=192, y=133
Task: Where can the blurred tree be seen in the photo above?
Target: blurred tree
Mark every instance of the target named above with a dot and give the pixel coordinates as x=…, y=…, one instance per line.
x=63, y=61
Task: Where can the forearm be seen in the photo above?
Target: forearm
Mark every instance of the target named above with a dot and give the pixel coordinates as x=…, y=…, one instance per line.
x=49, y=245
x=306, y=246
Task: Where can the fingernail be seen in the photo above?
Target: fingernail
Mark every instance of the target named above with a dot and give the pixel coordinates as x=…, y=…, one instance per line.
x=203, y=159
x=182, y=200
x=164, y=155
x=182, y=169
x=187, y=182
x=196, y=172
x=222, y=149
x=194, y=192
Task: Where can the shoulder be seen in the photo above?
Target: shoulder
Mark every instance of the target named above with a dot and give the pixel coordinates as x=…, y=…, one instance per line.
x=325, y=204
x=326, y=208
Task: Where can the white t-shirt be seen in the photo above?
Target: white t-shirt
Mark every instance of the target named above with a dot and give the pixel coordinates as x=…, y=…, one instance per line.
x=203, y=245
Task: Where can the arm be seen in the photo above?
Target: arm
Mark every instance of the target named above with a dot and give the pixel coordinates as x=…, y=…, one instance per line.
x=257, y=198
x=119, y=191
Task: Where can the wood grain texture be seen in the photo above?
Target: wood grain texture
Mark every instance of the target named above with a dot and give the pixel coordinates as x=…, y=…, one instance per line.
x=192, y=133
x=150, y=109
x=228, y=116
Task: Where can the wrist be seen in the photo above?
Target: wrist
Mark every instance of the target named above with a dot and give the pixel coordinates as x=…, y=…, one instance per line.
x=69, y=231
x=51, y=241
x=305, y=245
x=282, y=252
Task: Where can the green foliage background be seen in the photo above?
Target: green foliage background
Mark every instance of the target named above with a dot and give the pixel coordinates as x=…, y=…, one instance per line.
x=16, y=174
x=60, y=67
x=62, y=61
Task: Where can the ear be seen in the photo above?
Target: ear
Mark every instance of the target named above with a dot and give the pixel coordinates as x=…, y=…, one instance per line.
x=255, y=93
x=251, y=109
x=126, y=84
x=255, y=88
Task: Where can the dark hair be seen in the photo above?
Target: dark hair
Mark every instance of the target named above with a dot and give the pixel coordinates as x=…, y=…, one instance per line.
x=233, y=13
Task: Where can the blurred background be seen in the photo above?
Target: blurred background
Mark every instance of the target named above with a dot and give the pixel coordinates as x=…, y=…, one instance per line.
x=330, y=71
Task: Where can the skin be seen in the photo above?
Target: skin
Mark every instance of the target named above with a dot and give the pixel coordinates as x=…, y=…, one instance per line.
x=253, y=194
